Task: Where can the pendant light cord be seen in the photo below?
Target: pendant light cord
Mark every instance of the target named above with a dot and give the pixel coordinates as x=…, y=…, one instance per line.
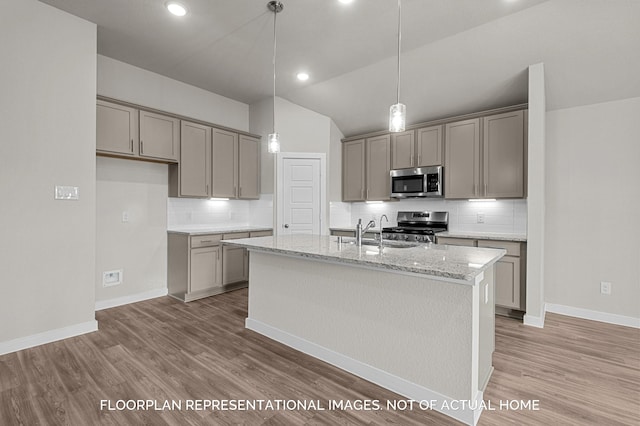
x=399, y=41
x=275, y=16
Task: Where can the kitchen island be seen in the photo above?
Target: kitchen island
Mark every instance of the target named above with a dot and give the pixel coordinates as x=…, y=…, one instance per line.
x=415, y=319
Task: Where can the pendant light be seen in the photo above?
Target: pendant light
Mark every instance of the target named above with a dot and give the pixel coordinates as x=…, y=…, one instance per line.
x=398, y=111
x=273, y=140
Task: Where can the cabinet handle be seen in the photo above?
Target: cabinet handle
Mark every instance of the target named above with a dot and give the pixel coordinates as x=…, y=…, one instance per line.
x=485, y=189
x=235, y=191
x=362, y=194
x=240, y=192
x=132, y=145
x=141, y=147
x=206, y=189
x=419, y=160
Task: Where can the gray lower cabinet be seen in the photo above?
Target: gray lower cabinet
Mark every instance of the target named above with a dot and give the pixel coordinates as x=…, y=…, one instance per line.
x=235, y=260
x=194, y=266
x=201, y=266
x=510, y=271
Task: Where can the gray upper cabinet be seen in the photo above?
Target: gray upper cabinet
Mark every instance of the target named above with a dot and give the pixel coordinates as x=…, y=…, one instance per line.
x=224, y=166
x=462, y=159
x=195, y=160
x=378, y=166
x=248, y=167
x=116, y=129
x=503, y=155
x=353, y=171
x=417, y=148
x=429, y=146
x=403, y=153
x=159, y=136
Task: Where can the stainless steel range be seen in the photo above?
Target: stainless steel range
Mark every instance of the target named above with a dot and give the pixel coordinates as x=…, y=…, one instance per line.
x=417, y=226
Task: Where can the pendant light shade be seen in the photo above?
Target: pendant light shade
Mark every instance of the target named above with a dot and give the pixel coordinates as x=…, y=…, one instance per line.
x=398, y=111
x=397, y=118
x=273, y=140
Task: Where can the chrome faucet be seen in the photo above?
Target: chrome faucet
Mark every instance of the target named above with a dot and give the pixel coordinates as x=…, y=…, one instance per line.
x=361, y=231
x=387, y=219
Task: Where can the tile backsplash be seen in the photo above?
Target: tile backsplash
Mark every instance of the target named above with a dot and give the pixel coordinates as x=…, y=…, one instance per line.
x=189, y=211
x=501, y=216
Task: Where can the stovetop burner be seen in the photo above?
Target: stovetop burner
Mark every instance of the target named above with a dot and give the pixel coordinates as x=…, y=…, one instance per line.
x=417, y=226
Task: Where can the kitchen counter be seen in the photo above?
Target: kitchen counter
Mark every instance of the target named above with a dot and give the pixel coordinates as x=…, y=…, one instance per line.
x=484, y=236
x=417, y=319
x=450, y=262
x=213, y=229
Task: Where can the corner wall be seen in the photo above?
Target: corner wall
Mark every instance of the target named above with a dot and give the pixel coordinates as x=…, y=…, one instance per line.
x=593, y=200
x=47, y=113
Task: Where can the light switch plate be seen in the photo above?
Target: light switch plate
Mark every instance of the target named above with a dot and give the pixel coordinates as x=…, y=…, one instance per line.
x=67, y=192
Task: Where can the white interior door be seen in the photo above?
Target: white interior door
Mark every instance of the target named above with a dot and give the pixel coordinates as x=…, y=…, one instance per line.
x=301, y=196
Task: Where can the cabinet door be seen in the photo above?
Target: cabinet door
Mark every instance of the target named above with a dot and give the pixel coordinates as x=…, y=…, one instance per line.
x=378, y=168
x=353, y=171
x=402, y=150
x=248, y=168
x=462, y=159
x=503, y=155
x=205, y=269
x=116, y=129
x=507, y=279
x=234, y=265
x=159, y=136
x=195, y=160
x=224, y=163
x=429, y=146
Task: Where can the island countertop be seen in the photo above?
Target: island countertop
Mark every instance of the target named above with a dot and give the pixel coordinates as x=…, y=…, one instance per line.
x=448, y=262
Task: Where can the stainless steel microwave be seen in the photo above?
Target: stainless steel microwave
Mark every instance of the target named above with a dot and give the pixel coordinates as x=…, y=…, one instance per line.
x=417, y=182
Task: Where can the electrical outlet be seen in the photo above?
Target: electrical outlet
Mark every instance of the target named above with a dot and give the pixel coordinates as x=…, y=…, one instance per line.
x=125, y=217
x=111, y=278
x=480, y=217
x=605, y=288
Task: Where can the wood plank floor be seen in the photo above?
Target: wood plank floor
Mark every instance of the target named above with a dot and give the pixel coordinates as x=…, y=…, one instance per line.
x=582, y=372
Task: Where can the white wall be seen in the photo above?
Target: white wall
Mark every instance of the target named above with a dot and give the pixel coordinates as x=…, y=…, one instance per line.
x=593, y=205
x=47, y=126
x=139, y=246
x=300, y=130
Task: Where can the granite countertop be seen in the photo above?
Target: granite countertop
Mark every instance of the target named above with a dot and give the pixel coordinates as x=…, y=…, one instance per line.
x=484, y=235
x=213, y=229
x=448, y=262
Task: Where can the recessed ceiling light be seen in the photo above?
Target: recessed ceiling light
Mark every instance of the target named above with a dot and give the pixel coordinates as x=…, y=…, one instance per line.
x=176, y=8
x=303, y=76
x=345, y=1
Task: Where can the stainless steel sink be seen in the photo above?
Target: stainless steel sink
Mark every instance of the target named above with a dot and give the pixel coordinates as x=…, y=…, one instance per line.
x=385, y=243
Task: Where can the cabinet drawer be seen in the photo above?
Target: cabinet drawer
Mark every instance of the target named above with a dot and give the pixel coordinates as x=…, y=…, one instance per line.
x=512, y=248
x=235, y=236
x=205, y=240
x=261, y=234
x=457, y=241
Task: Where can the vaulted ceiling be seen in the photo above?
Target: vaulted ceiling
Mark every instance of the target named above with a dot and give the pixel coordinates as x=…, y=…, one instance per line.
x=457, y=56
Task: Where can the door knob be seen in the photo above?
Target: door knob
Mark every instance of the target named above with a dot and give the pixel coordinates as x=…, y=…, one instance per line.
x=286, y=225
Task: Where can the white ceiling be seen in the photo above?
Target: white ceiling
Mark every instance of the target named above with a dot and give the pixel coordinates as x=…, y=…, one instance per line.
x=458, y=56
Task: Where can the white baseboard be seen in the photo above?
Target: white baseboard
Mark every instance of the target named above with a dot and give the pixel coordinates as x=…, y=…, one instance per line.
x=133, y=298
x=534, y=321
x=593, y=315
x=47, y=337
x=382, y=378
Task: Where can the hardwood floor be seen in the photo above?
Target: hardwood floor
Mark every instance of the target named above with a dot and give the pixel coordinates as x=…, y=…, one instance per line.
x=581, y=372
